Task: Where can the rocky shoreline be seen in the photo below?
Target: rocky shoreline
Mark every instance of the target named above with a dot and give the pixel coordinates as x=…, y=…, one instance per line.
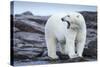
x=29, y=45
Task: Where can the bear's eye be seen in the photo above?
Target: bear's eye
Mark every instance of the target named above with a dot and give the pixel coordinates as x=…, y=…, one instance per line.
x=68, y=15
x=77, y=16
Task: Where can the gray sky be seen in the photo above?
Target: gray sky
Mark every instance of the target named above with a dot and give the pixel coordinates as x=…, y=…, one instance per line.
x=48, y=8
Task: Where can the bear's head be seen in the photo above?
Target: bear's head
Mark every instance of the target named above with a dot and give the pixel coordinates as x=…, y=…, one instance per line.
x=74, y=20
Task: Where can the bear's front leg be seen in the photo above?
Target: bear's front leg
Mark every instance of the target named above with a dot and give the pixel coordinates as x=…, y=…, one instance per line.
x=51, y=47
x=70, y=44
x=70, y=49
x=81, y=37
x=80, y=48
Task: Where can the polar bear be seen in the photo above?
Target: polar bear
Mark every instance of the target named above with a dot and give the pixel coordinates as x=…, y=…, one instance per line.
x=68, y=29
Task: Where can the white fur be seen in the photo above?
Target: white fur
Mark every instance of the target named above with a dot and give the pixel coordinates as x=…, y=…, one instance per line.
x=56, y=31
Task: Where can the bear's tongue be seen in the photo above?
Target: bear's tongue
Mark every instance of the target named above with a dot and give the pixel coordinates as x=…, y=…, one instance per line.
x=68, y=24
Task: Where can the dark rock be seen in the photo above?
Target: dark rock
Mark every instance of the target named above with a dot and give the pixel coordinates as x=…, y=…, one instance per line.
x=40, y=45
x=91, y=16
x=62, y=56
x=15, y=29
x=20, y=45
x=39, y=19
x=91, y=32
x=27, y=52
x=90, y=53
x=38, y=50
x=91, y=24
x=35, y=45
x=17, y=42
x=27, y=45
x=78, y=59
x=91, y=36
x=45, y=53
x=25, y=25
x=16, y=49
x=18, y=15
x=30, y=17
x=20, y=57
x=30, y=37
x=46, y=58
x=27, y=13
x=93, y=44
x=24, y=16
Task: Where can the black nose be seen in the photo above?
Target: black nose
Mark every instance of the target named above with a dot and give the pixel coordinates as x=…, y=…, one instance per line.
x=62, y=19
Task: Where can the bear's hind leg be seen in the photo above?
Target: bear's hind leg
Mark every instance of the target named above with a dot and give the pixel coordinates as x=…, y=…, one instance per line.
x=51, y=47
x=62, y=48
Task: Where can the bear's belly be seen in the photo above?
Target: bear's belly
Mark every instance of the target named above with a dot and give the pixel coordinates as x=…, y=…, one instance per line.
x=60, y=36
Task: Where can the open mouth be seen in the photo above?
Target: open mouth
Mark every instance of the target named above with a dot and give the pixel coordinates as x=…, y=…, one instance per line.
x=67, y=22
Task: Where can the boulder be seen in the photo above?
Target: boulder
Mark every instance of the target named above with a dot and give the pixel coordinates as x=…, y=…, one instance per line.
x=15, y=29
x=30, y=37
x=25, y=25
